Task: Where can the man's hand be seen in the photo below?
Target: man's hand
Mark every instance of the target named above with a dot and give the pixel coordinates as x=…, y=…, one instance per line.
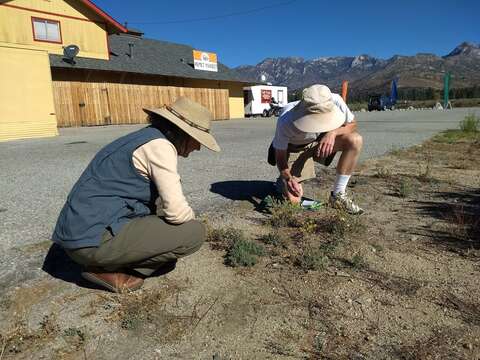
x=325, y=146
x=294, y=187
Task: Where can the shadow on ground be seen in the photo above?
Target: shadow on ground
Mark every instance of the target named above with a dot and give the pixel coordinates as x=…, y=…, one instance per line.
x=253, y=191
x=59, y=265
x=459, y=212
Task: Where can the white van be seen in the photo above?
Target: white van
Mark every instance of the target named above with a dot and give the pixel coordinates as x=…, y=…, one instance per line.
x=257, y=99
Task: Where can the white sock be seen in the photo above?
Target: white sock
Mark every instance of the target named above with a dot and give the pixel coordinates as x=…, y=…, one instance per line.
x=341, y=183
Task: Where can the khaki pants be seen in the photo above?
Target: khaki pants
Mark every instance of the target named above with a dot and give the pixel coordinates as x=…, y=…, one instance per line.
x=144, y=244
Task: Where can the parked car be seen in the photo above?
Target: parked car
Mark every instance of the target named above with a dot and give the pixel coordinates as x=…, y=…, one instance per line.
x=383, y=102
x=380, y=102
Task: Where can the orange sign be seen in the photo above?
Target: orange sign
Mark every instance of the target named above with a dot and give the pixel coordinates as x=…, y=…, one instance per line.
x=204, y=61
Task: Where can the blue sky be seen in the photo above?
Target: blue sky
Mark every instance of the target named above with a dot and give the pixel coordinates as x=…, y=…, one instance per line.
x=305, y=28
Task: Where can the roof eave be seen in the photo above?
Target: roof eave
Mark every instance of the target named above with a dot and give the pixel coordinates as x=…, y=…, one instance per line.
x=111, y=21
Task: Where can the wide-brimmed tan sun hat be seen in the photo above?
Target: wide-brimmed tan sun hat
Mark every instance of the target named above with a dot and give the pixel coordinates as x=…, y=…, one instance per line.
x=317, y=112
x=191, y=117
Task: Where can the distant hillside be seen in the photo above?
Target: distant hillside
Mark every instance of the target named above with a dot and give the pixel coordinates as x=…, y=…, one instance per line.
x=369, y=74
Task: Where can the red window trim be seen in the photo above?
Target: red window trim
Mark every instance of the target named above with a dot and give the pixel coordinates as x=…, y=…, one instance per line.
x=49, y=20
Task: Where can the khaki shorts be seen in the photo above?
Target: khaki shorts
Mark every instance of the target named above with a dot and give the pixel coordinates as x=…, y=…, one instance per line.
x=301, y=159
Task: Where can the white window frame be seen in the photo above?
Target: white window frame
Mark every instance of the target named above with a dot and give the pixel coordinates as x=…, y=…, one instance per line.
x=36, y=21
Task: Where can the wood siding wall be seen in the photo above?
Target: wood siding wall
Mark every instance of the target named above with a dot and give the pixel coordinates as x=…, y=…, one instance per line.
x=89, y=104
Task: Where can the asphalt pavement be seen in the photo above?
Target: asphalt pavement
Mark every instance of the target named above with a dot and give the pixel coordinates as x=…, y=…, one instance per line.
x=36, y=175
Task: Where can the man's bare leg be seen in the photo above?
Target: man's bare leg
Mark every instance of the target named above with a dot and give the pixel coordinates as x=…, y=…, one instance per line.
x=350, y=145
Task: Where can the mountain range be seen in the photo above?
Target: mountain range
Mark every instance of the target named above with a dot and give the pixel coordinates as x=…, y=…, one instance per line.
x=367, y=74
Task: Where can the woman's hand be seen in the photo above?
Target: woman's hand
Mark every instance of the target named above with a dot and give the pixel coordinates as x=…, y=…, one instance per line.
x=325, y=146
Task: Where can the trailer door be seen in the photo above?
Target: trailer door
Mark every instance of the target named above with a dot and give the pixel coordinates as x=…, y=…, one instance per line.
x=280, y=97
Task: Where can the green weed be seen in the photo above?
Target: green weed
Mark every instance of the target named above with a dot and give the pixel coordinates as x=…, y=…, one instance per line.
x=470, y=124
x=404, y=188
x=469, y=129
x=285, y=214
x=358, y=262
x=312, y=259
x=308, y=226
x=341, y=224
x=243, y=253
x=274, y=238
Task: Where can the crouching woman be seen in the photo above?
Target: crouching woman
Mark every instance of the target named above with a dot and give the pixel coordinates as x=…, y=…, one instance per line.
x=127, y=217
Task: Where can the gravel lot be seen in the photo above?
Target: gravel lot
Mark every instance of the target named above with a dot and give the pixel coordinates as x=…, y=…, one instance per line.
x=36, y=175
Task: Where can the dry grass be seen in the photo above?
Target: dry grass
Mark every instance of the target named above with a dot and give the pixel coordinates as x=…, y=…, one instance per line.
x=463, y=225
x=20, y=339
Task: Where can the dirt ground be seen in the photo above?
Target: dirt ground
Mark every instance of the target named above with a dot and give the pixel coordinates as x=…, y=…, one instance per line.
x=398, y=282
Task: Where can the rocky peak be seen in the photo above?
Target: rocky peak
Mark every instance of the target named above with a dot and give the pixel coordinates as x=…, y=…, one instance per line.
x=363, y=61
x=465, y=48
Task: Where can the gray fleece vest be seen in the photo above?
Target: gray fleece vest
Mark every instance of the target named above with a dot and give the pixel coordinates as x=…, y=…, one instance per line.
x=109, y=193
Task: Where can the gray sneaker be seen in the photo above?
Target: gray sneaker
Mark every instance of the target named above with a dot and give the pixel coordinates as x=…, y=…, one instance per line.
x=343, y=202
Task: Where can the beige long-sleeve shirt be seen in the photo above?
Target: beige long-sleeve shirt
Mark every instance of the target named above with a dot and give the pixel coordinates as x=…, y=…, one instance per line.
x=157, y=160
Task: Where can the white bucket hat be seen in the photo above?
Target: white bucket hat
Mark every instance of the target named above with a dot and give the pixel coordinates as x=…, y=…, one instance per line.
x=317, y=112
x=191, y=117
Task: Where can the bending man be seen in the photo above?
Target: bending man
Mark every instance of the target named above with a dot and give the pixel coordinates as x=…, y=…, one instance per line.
x=315, y=129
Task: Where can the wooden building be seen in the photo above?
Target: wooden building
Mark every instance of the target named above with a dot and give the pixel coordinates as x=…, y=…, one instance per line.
x=116, y=73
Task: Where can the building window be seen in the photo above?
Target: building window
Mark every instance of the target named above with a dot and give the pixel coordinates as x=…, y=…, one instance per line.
x=46, y=30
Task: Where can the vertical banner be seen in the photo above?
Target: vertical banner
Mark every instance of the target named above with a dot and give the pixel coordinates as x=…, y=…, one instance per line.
x=394, y=92
x=446, y=89
x=344, y=90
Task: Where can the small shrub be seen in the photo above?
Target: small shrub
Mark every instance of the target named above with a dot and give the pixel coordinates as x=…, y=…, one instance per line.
x=75, y=337
x=308, y=226
x=48, y=325
x=319, y=343
x=425, y=169
x=131, y=321
x=274, y=238
x=329, y=247
x=285, y=214
x=383, y=173
x=404, y=189
x=243, y=253
x=223, y=238
x=470, y=124
x=71, y=332
x=312, y=259
x=340, y=224
x=358, y=262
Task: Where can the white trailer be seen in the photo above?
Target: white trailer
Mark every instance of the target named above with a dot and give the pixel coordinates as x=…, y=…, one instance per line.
x=256, y=99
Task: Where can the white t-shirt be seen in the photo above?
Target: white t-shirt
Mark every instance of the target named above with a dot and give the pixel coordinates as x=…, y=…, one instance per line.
x=286, y=132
